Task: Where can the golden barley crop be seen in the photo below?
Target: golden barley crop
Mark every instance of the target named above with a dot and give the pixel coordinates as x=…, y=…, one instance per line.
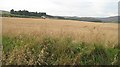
x=82, y=31
x=30, y=41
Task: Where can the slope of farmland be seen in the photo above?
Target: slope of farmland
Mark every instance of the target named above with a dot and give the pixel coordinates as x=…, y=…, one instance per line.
x=85, y=30
x=28, y=41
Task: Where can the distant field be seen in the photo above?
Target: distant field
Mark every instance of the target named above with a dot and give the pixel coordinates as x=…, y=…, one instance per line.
x=86, y=31
x=25, y=29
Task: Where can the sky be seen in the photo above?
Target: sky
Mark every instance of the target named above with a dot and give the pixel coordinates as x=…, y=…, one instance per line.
x=81, y=8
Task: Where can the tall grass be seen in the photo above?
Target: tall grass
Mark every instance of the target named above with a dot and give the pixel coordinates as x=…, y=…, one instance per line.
x=47, y=50
x=59, y=42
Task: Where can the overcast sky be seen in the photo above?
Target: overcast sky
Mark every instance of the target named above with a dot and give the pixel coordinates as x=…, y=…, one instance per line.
x=81, y=8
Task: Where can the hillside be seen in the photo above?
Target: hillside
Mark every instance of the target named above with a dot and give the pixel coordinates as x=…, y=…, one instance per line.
x=4, y=12
x=32, y=41
x=112, y=19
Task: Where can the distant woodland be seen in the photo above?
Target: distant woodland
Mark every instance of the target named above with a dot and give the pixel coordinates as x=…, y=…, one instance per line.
x=27, y=13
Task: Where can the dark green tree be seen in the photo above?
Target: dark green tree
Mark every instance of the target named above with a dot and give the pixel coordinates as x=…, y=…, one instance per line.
x=12, y=11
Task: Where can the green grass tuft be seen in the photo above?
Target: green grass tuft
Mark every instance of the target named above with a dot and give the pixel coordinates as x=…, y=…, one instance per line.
x=25, y=50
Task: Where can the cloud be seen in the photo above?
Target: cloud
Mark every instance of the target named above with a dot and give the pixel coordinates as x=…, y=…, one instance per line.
x=95, y=8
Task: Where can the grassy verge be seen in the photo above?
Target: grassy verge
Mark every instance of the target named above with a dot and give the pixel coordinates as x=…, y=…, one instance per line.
x=46, y=50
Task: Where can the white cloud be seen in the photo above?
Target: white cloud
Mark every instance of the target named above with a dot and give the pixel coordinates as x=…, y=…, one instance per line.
x=66, y=7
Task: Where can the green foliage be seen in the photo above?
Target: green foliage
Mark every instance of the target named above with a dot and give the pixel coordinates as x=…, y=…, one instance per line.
x=26, y=50
x=27, y=13
x=97, y=56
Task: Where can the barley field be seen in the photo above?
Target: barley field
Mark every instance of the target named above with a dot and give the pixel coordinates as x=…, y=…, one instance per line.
x=86, y=31
x=30, y=41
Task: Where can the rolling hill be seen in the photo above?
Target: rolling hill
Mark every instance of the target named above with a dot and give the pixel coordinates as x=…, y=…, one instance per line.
x=112, y=19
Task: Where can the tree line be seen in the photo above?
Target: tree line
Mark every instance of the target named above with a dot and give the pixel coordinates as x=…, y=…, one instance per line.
x=27, y=13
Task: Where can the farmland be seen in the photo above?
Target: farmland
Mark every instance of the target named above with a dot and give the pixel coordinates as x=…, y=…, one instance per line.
x=53, y=41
